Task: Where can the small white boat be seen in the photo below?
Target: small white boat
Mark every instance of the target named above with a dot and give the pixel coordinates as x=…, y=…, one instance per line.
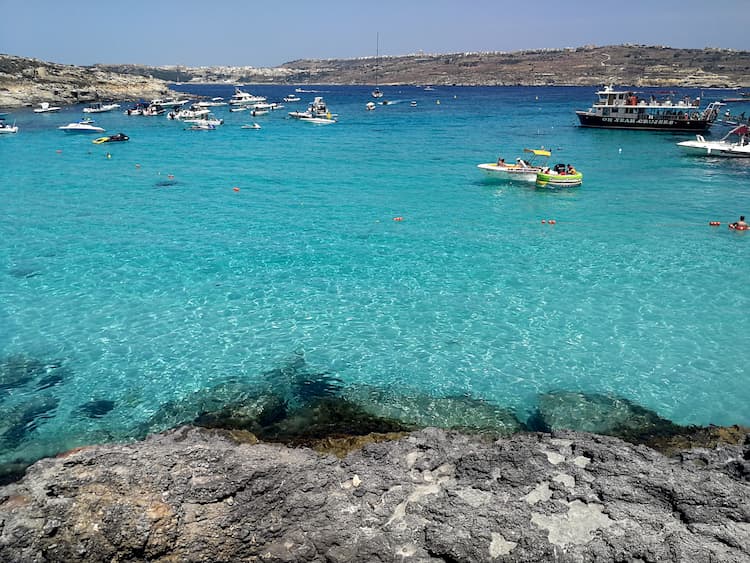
x=5, y=128
x=522, y=170
x=201, y=127
x=98, y=107
x=193, y=112
x=168, y=103
x=214, y=102
x=44, y=107
x=317, y=112
x=292, y=98
x=253, y=126
x=207, y=120
x=735, y=144
x=83, y=126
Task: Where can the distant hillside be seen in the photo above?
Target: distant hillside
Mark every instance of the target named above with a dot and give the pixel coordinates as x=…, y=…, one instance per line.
x=636, y=65
x=26, y=81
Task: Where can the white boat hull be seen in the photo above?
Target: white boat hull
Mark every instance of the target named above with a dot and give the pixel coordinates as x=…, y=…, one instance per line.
x=724, y=147
x=509, y=172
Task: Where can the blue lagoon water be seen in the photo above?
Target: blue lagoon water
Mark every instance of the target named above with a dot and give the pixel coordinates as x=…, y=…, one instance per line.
x=190, y=258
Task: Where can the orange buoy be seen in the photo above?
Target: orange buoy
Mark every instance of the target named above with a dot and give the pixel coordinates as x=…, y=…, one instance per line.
x=714, y=223
x=236, y=189
x=59, y=151
x=398, y=218
x=544, y=221
x=552, y=222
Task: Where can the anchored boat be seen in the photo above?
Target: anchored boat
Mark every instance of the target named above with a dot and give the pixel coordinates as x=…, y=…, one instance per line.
x=559, y=177
x=624, y=109
x=522, y=170
x=734, y=144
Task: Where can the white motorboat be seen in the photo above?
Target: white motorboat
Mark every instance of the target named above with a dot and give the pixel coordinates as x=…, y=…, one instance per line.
x=83, y=126
x=99, y=107
x=241, y=98
x=735, y=144
x=168, y=103
x=292, y=98
x=317, y=112
x=209, y=119
x=5, y=128
x=193, y=112
x=45, y=107
x=521, y=170
x=214, y=102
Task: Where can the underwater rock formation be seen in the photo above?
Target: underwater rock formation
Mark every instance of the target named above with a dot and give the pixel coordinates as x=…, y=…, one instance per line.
x=432, y=496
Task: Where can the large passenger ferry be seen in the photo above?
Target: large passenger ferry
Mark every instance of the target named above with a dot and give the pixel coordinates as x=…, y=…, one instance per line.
x=623, y=109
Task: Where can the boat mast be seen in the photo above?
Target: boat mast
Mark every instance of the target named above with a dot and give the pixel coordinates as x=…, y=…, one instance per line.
x=376, y=93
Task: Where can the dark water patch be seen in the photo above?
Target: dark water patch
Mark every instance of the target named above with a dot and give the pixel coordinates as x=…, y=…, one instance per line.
x=52, y=380
x=24, y=419
x=18, y=370
x=95, y=409
x=310, y=387
x=24, y=272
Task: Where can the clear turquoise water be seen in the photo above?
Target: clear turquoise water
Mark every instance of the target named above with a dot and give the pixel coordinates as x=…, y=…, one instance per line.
x=147, y=289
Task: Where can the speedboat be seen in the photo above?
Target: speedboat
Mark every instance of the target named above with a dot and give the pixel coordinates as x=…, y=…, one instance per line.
x=559, y=177
x=83, y=126
x=44, y=107
x=522, y=170
x=119, y=137
x=5, y=128
x=317, y=112
x=292, y=98
x=98, y=107
x=736, y=144
x=241, y=98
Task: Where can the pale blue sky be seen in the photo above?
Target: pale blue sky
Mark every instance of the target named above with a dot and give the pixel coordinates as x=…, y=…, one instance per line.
x=202, y=32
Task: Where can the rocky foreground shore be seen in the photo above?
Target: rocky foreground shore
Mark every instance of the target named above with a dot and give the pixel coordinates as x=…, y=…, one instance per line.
x=195, y=494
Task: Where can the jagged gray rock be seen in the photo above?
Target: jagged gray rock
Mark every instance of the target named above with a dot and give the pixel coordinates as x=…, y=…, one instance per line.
x=199, y=495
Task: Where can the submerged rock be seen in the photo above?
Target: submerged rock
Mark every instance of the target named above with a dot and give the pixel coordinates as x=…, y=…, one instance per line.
x=460, y=412
x=432, y=496
x=601, y=414
x=96, y=409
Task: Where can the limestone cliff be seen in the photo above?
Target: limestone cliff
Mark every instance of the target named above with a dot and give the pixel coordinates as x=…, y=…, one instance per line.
x=29, y=81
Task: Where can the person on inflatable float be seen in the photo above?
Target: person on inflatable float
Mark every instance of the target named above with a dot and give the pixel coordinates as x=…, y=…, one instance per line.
x=740, y=225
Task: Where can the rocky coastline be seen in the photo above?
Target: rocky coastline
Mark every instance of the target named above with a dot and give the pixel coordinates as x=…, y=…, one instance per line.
x=194, y=494
x=28, y=82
